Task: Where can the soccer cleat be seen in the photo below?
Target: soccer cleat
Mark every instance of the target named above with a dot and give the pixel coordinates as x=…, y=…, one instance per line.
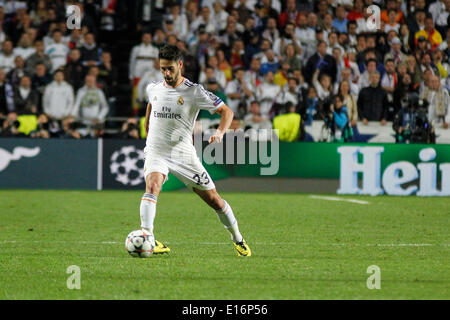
x=243, y=249
x=160, y=248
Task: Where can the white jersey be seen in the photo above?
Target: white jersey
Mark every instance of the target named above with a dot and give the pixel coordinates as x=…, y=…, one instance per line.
x=173, y=115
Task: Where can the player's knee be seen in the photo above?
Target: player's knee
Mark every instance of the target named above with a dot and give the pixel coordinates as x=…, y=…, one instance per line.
x=153, y=187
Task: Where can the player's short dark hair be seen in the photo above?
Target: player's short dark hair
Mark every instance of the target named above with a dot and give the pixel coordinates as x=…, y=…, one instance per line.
x=170, y=52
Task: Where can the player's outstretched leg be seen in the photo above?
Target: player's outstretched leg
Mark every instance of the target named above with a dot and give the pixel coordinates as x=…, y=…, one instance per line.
x=153, y=183
x=226, y=216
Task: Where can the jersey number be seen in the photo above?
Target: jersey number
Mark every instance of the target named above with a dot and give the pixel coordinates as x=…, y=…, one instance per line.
x=201, y=179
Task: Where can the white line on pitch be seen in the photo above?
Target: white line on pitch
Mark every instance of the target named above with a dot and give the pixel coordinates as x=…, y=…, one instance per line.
x=338, y=199
x=256, y=243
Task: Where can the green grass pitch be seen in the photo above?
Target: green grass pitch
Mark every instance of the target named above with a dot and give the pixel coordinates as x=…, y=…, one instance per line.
x=303, y=247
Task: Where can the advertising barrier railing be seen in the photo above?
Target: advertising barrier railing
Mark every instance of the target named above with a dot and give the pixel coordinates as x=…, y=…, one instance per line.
x=374, y=169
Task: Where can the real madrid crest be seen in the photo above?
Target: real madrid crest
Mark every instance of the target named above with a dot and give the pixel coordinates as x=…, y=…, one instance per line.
x=180, y=101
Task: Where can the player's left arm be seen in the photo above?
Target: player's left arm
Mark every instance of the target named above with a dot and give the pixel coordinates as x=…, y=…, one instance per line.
x=226, y=117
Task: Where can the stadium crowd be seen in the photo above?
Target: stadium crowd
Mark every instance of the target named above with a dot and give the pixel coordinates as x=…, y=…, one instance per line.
x=277, y=64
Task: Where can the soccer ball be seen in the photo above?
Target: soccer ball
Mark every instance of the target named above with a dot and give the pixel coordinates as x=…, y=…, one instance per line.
x=139, y=243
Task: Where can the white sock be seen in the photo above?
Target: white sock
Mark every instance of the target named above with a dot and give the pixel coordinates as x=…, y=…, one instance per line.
x=226, y=216
x=148, y=211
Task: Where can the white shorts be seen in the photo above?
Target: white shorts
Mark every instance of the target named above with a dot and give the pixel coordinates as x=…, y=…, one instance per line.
x=191, y=172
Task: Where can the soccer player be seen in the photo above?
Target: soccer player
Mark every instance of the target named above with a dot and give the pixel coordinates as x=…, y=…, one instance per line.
x=173, y=106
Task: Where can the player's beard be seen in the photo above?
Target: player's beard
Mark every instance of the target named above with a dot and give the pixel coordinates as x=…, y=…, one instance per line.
x=174, y=80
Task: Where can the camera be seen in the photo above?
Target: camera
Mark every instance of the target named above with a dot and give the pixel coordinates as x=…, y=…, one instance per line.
x=74, y=125
x=413, y=122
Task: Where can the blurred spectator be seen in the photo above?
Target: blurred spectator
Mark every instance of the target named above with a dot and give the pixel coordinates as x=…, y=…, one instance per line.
x=392, y=5
x=288, y=124
x=205, y=19
x=6, y=95
x=439, y=102
x=281, y=76
x=150, y=14
x=159, y=38
x=269, y=62
x=392, y=23
x=75, y=40
x=10, y=127
x=346, y=75
x=40, y=80
x=372, y=101
x=108, y=72
x=90, y=101
x=37, y=57
x=191, y=67
x=288, y=37
x=17, y=72
x=339, y=121
x=413, y=70
x=213, y=86
x=216, y=73
x=101, y=84
x=154, y=74
x=130, y=129
x=25, y=97
x=292, y=92
x=238, y=90
x=237, y=55
x=58, y=97
x=179, y=20
x=199, y=48
x=371, y=67
x=24, y=47
x=7, y=56
x=321, y=60
x=289, y=14
x=220, y=16
x=90, y=52
x=349, y=100
x=306, y=36
x=42, y=130
x=323, y=86
x=389, y=83
x=142, y=58
x=271, y=32
x=255, y=120
x=74, y=70
x=224, y=65
x=404, y=91
x=70, y=128
x=57, y=51
x=291, y=57
x=267, y=93
x=433, y=36
x=340, y=22
x=442, y=67
x=395, y=52
x=253, y=75
x=191, y=10
x=311, y=106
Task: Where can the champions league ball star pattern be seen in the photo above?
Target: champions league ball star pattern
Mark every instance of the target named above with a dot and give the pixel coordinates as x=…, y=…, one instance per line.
x=126, y=166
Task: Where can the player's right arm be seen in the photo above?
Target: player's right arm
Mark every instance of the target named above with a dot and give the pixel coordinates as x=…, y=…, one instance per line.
x=147, y=116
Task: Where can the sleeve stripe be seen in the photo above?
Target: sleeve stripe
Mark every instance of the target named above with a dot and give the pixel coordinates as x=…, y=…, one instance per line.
x=220, y=108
